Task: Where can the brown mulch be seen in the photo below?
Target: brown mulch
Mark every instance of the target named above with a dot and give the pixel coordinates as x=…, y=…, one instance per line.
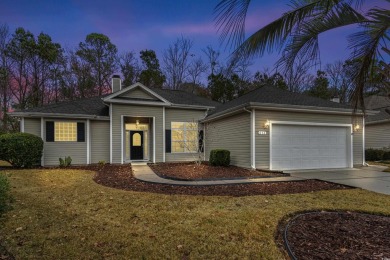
x=191, y=172
x=120, y=177
x=339, y=235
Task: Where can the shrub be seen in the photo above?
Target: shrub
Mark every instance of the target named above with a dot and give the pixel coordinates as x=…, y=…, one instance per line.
x=21, y=149
x=5, y=198
x=376, y=154
x=65, y=162
x=386, y=155
x=102, y=163
x=219, y=157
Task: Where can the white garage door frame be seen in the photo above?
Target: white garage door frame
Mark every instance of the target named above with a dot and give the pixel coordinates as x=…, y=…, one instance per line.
x=310, y=124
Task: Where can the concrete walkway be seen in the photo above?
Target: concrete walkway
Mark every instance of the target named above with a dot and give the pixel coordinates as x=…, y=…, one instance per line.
x=370, y=178
x=143, y=172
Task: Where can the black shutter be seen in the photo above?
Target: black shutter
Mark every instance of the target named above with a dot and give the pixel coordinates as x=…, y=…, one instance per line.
x=49, y=131
x=168, y=140
x=201, y=146
x=80, y=132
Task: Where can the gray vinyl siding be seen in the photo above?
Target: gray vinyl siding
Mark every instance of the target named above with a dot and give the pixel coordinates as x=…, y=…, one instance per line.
x=181, y=115
x=52, y=151
x=119, y=110
x=262, y=141
x=138, y=93
x=231, y=133
x=378, y=135
x=100, y=141
x=32, y=126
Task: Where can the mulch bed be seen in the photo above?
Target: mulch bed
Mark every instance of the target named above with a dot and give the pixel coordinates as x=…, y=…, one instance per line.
x=191, y=172
x=120, y=177
x=339, y=235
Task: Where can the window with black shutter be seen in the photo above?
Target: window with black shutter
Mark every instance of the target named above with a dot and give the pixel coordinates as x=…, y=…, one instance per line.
x=49, y=131
x=201, y=145
x=168, y=143
x=80, y=132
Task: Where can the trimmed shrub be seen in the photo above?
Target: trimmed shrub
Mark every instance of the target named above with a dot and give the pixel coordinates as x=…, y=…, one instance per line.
x=65, y=162
x=5, y=197
x=219, y=157
x=386, y=155
x=21, y=149
x=374, y=154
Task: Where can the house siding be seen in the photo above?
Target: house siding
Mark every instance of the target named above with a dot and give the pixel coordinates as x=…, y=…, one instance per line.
x=52, y=151
x=181, y=115
x=138, y=94
x=262, y=145
x=119, y=110
x=378, y=135
x=32, y=126
x=100, y=141
x=233, y=134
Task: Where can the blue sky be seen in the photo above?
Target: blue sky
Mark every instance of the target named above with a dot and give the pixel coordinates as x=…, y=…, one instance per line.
x=134, y=25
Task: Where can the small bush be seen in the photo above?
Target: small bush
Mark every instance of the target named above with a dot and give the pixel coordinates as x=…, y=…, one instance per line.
x=386, y=155
x=101, y=163
x=65, y=162
x=21, y=149
x=5, y=197
x=219, y=157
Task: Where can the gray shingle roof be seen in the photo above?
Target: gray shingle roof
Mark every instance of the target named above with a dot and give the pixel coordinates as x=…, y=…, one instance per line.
x=184, y=98
x=384, y=114
x=272, y=95
x=86, y=106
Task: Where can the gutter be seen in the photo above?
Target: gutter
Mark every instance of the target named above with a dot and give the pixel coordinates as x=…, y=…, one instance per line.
x=58, y=115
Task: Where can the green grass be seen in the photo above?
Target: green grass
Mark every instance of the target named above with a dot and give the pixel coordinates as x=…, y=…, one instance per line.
x=60, y=214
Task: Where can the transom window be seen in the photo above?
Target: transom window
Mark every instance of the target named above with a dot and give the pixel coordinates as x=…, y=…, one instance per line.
x=65, y=132
x=184, y=137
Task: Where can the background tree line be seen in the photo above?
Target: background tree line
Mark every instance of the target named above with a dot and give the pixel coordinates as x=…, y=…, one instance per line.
x=35, y=71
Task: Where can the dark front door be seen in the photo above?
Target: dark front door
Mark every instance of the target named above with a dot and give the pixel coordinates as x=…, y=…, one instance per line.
x=136, y=145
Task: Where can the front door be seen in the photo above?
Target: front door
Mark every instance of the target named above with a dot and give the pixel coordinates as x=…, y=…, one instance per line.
x=136, y=145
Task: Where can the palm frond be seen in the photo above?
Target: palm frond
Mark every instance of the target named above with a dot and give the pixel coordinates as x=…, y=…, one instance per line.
x=305, y=42
x=367, y=45
x=274, y=35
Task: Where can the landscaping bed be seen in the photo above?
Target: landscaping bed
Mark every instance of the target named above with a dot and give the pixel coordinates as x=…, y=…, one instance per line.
x=120, y=177
x=338, y=235
x=193, y=172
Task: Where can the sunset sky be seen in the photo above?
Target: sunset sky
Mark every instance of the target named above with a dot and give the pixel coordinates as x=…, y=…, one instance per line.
x=151, y=24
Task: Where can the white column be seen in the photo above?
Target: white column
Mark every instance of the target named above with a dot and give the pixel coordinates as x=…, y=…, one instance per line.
x=122, y=127
x=163, y=129
x=22, y=125
x=88, y=142
x=364, y=140
x=44, y=141
x=154, y=139
x=110, y=133
x=253, y=139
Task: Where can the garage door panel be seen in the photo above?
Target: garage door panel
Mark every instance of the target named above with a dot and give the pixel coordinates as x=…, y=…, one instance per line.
x=309, y=147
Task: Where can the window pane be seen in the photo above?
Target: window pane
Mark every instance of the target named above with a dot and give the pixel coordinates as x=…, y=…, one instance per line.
x=192, y=126
x=65, y=131
x=177, y=125
x=178, y=147
x=191, y=147
x=177, y=135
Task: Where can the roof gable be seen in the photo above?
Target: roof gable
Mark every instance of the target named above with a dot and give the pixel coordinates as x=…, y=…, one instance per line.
x=138, y=93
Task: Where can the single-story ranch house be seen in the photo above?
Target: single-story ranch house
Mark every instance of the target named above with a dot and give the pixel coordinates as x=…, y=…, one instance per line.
x=267, y=128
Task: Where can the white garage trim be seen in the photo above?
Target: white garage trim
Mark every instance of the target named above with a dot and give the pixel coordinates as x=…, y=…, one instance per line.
x=271, y=123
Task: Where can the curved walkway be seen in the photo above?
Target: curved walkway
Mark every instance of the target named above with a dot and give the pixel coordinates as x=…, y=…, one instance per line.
x=144, y=173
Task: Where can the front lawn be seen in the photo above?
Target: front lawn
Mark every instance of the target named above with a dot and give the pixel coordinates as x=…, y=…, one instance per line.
x=60, y=214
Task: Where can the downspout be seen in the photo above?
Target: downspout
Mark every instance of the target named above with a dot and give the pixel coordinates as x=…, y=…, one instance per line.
x=253, y=137
x=364, y=142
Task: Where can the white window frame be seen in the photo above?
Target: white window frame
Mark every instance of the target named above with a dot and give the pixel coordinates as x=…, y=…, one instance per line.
x=185, y=136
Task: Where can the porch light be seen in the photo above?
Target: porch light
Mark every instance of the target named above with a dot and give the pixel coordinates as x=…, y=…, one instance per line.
x=136, y=123
x=266, y=124
x=356, y=128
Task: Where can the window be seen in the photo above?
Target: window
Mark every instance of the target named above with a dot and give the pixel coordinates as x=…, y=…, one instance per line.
x=65, y=131
x=184, y=137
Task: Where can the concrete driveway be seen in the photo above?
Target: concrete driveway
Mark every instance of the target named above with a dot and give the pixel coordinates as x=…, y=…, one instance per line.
x=369, y=178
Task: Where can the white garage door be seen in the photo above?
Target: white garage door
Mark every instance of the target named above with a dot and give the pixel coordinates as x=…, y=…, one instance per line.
x=309, y=147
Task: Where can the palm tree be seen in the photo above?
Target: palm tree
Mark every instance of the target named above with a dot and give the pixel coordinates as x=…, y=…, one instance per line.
x=296, y=33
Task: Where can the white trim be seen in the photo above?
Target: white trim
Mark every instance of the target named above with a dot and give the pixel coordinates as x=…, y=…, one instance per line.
x=44, y=141
x=364, y=141
x=163, y=129
x=110, y=133
x=108, y=98
x=204, y=141
x=58, y=115
x=22, y=125
x=253, y=140
x=309, y=124
x=154, y=139
x=88, y=142
x=136, y=102
x=122, y=140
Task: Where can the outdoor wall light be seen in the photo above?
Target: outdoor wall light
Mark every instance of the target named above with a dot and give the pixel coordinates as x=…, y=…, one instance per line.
x=266, y=124
x=136, y=123
x=356, y=128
